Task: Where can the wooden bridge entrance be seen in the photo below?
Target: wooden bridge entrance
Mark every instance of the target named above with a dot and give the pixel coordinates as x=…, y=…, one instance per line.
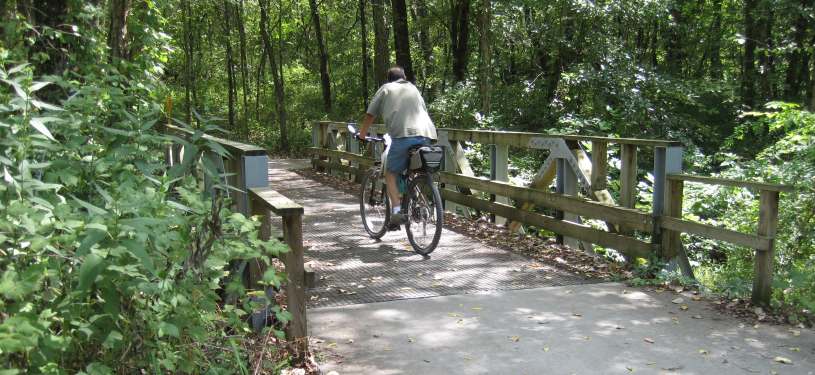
x=581, y=179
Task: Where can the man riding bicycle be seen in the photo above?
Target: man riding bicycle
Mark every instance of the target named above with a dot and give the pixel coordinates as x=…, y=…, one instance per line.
x=403, y=110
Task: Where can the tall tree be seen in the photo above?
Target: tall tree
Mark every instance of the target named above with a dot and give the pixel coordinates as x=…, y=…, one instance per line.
x=325, y=81
x=766, y=60
x=276, y=70
x=189, y=55
x=230, y=64
x=459, y=38
x=117, y=32
x=675, y=45
x=715, y=45
x=364, y=42
x=427, y=49
x=244, y=69
x=485, y=61
x=401, y=38
x=381, y=50
x=748, y=69
x=797, y=75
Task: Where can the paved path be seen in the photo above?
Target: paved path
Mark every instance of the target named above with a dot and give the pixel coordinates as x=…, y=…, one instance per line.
x=495, y=312
x=353, y=268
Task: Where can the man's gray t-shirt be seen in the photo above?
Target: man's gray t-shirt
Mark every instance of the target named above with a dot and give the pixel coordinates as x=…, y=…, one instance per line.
x=402, y=108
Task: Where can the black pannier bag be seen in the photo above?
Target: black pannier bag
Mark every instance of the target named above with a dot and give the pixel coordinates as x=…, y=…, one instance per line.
x=427, y=158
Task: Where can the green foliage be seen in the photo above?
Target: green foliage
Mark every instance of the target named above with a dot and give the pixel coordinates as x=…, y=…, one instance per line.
x=789, y=159
x=111, y=262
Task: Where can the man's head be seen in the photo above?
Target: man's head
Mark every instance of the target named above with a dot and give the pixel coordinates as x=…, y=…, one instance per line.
x=396, y=73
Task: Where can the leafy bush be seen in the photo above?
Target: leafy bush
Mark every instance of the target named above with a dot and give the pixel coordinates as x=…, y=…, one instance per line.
x=110, y=262
x=789, y=159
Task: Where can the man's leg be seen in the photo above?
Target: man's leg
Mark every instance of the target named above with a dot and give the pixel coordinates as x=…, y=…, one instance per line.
x=393, y=189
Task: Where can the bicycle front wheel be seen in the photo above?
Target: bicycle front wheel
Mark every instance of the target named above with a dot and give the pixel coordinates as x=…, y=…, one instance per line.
x=425, y=215
x=374, y=205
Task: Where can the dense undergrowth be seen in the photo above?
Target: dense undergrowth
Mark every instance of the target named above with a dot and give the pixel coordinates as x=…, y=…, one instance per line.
x=109, y=261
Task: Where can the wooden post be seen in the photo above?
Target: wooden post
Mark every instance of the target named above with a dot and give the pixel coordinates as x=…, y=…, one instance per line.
x=315, y=135
x=599, y=165
x=672, y=246
x=296, y=291
x=256, y=267
x=628, y=176
x=353, y=146
x=567, y=185
x=767, y=224
x=666, y=160
x=499, y=171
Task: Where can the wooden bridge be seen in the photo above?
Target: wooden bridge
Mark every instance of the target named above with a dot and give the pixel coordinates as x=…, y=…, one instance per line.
x=580, y=178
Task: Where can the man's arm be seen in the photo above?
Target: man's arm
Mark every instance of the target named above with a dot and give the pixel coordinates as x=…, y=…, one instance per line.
x=366, y=123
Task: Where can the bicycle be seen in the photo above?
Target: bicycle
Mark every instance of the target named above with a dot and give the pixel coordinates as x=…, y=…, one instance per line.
x=421, y=201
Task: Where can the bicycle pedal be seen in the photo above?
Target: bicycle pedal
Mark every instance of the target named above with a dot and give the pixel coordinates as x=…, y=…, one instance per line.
x=394, y=227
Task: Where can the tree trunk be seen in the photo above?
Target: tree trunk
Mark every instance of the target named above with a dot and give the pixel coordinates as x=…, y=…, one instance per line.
x=401, y=38
x=324, y=79
x=459, y=37
x=117, y=32
x=748, y=70
x=381, y=51
x=675, y=54
x=797, y=76
x=244, y=71
x=766, y=59
x=485, y=62
x=812, y=81
x=427, y=49
x=280, y=93
x=189, y=70
x=715, y=54
x=364, y=39
x=276, y=72
x=261, y=72
x=230, y=65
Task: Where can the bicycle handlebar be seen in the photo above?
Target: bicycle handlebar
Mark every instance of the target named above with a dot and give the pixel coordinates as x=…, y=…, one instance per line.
x=369, y=138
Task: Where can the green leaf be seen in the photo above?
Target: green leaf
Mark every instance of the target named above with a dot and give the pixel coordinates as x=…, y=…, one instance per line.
x=39, y=124
x=17, y=89
x=137, y=249
x=92, y=238
x=91, y=208
x=168, y=329
x=18, y=68
x=36, y=86
x=46, y=106
x=90, y=269
x=114, y=337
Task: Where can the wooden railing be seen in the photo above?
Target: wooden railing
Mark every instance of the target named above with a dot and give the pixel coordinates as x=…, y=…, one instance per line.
x=266, y=202
x=763, y=241
x=581, y=184
x=246, y=170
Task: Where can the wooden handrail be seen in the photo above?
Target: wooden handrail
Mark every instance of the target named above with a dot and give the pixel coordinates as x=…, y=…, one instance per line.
x=231, y=146
x=518, y=139
x=731, y=182
x=615, y=214
x=265, y=201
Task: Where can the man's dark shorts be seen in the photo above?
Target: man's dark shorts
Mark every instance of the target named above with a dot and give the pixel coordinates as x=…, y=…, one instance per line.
x=398, y=152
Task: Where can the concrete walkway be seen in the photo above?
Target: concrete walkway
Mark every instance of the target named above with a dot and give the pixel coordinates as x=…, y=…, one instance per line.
x=586, y=329
x=472, y=309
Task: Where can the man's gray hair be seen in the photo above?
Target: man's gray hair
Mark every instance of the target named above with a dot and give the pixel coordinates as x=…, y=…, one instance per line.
x=396, y=73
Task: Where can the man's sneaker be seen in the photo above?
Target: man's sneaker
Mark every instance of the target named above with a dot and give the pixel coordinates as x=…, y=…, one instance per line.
x=398, y=218
x=393, y=227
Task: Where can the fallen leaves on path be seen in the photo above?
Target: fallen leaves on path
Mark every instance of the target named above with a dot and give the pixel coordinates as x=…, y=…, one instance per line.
x=783, y=360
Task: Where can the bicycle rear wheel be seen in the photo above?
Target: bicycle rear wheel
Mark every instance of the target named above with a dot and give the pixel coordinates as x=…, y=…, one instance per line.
x=425, y=215
x=374, y=205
